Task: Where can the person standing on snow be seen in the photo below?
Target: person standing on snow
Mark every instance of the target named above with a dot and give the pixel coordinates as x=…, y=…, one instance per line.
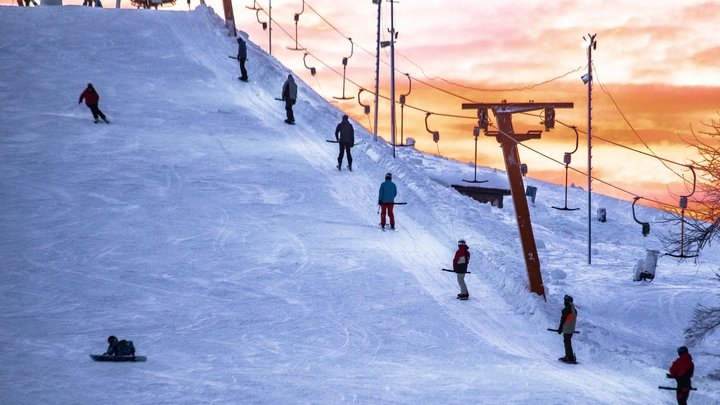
x=386, y=200
x=460, y=264
x=242, y=57
x=91, y=100
x=568, y=318
x=345, y=135
x=682, y=371
x=289, y=94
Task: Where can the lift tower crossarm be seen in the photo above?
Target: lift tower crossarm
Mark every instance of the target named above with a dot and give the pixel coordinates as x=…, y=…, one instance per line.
x=508, y=139
x=513, y=108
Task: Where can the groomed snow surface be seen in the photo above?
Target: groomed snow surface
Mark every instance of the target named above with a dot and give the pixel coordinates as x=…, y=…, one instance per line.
x=226, y=245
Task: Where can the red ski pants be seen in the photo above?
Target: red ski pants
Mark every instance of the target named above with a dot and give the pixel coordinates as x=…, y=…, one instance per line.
x=387, y=208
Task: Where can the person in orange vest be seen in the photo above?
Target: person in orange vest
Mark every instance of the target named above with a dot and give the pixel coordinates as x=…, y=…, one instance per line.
x=568, y=318
x=460, y=264
x=682, y=371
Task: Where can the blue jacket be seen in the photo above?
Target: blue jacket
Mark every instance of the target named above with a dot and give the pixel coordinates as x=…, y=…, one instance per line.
x=388, y=191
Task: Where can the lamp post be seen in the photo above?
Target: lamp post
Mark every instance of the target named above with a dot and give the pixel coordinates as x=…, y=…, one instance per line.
x=587, y=79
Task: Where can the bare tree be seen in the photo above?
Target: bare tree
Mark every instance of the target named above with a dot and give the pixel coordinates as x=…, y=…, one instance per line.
x=695, y=229
x=704, y=321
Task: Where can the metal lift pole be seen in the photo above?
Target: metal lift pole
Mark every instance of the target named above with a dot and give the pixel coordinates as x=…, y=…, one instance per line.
x=377, y=69
x=508, y=139
x=511, y=157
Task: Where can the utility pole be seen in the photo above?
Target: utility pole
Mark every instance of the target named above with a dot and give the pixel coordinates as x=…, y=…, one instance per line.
x=392, y=75
x=508, y=140
x=591, y=44
x=377, y=69
x=270, y=26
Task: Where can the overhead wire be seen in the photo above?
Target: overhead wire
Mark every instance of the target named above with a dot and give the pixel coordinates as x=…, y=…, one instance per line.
x=602, y=87
x=651, y=154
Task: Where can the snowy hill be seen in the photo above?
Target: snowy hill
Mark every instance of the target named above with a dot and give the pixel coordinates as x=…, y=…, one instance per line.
x=248, y=270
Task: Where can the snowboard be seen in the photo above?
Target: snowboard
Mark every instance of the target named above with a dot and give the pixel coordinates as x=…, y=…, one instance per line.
x=567, y=362
x=100, y=357
x=290, y=122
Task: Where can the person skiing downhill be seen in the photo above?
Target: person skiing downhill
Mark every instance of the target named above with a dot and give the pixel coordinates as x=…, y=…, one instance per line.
x=568, y=318
x=345, y=135
x=241, y=57
x=289, y=94
x=460, y=264
x=91, y=98
x=386, y=200
x=682, y=371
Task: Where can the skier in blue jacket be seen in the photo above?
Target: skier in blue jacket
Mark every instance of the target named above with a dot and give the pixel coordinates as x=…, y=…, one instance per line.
x=386, y=200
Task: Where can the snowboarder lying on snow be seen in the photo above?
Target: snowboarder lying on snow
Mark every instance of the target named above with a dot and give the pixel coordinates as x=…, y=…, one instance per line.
x=119, y=348
x=682, y=371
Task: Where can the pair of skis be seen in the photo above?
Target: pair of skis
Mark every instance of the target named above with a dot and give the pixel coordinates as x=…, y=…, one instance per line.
x=397, y=203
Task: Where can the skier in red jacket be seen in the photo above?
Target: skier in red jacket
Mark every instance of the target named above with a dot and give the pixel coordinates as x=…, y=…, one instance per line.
x=682, y=371
x=91, y=100
x=460, y=264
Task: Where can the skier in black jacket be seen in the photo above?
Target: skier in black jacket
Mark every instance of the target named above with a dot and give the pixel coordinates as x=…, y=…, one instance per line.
x=242, y=57
x=345, y=135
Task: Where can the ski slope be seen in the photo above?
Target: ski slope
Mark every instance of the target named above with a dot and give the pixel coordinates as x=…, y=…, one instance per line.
x=226, y=245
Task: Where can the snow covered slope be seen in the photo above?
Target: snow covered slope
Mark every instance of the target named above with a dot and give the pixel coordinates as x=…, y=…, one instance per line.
x=226, y=245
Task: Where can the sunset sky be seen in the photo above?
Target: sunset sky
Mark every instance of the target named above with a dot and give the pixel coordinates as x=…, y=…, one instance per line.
x=657, y=59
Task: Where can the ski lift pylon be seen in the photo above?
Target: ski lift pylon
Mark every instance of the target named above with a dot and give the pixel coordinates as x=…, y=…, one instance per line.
x=566, y=159
x=344, y=63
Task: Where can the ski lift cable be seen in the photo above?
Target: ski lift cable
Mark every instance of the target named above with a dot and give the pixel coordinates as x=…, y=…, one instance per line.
x=444, y=80
x=489, y=89
x=473, y=118
x=581, y=172
x=602, y=87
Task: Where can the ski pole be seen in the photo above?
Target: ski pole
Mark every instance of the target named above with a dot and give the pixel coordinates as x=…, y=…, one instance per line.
x=555, y=330
x=673, y=388
x=453, y=271
x=400, y=203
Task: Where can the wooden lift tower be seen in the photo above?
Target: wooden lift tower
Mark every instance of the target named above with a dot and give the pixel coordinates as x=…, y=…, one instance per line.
x=508, y=139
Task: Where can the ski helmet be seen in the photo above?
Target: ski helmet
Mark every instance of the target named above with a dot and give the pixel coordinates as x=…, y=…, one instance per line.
x=682, y=349
x=568, y=299
x=461, y=242
x=112, y=339
x=388, y=176
x=90, y=86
